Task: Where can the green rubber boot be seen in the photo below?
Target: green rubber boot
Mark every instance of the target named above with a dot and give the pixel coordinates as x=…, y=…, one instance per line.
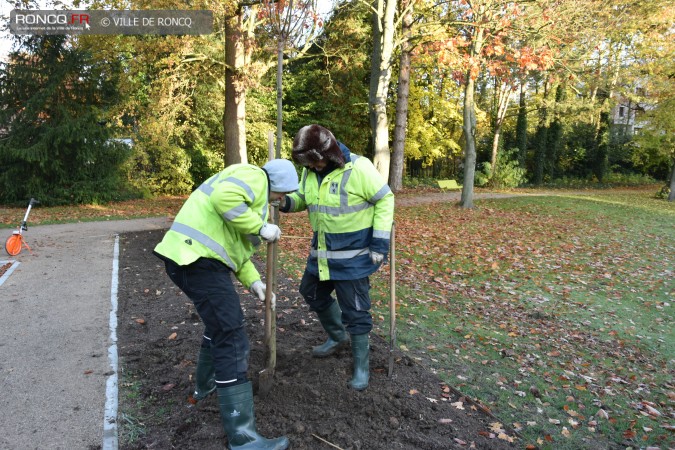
x=238, y=417
x=205, y=375
x=331, y=320
x=360, y=352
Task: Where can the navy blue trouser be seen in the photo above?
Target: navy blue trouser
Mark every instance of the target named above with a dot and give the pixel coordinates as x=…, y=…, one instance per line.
x=208, y=283
x=353, y=296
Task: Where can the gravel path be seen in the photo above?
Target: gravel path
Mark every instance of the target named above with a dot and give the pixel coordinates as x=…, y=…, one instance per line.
x=55, y=335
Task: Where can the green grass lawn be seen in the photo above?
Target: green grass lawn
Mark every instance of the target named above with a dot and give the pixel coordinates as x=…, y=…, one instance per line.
x=556, y=312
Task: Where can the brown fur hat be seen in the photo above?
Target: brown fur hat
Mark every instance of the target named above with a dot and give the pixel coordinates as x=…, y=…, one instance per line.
x=314, y=143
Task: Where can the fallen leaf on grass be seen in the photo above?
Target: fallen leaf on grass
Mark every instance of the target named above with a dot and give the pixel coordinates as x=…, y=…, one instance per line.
x=572, y=412
x=649, y=408
x=140, y=321
x=496, y=427
x=172, y=336
x=505, y=437
x=565, y=432
x=432, y=400
x=602, y=414
x=167, y=387
x=629, y=434
x=458, y=405
x=444, y=421
x=413, y=391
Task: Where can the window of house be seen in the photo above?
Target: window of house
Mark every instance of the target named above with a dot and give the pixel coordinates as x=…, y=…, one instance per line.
x=622, y=111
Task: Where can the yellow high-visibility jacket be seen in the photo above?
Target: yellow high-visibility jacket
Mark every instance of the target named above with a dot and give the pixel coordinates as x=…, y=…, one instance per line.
x=221, y=220
x=351, y=211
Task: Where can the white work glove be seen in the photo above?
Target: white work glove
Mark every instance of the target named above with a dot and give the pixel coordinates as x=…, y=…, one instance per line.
x=259, y=288
x=270, y=233
x=375, y=257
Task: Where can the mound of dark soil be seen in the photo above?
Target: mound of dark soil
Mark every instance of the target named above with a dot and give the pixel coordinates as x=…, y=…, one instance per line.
x=159, y=333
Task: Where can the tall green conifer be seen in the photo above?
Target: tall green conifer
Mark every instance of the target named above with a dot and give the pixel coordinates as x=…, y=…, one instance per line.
x=55, y=141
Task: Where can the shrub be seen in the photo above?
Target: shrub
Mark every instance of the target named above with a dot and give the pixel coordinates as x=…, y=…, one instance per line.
x=508, y=173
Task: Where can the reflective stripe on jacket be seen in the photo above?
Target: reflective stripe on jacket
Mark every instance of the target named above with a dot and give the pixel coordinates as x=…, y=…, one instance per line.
x=221, y=220
x=351, y=212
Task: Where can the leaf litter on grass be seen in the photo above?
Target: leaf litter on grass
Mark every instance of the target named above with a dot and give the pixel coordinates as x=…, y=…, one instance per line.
x=554, y=313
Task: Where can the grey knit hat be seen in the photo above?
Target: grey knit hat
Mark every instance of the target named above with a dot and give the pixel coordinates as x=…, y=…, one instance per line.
x=283, y=177
x=314, y=143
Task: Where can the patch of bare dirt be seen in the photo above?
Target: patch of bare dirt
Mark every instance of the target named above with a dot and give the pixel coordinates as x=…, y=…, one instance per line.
x=159, y=333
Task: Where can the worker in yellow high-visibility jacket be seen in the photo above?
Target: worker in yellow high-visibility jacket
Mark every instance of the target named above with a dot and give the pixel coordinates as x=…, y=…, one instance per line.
x=351, y=210
x=212, y=237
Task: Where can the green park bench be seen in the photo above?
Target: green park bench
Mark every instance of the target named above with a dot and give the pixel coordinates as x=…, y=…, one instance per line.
x=448, y=185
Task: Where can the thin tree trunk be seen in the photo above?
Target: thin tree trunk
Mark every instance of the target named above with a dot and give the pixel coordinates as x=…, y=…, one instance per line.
x=541, y=136
x=469, y=125
x=555, y=134
x=234, y=117
x=280, y=67
x=671, y=196
x=470, y=147
x=521, y=127
x=504, y=97
x=396, y=169
x=601, y=160
x=378, y=99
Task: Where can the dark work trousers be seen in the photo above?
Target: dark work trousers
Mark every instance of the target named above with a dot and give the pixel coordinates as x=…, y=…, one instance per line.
x=208, y=283
x=353, y=296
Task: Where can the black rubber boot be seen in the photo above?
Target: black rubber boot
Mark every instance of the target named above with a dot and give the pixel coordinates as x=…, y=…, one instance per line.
x=238, y=417
x=205, y=375
x=360, y=352
x=331, y=320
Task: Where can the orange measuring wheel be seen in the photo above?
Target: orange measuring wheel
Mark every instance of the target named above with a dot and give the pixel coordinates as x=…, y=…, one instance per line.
x=14, y=243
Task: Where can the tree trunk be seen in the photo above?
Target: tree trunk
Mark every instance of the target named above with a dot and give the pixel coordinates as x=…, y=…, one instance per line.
x=671, y=196
x=396, y=169
x=521, y=127
x=470, y=147
x=469, y=125
x=541, y=137
x=380, y=78
x=555, y=135
x=601, y=157
x=234, y=117
x=504, y=98
x=378, y=6
x=280, y=96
